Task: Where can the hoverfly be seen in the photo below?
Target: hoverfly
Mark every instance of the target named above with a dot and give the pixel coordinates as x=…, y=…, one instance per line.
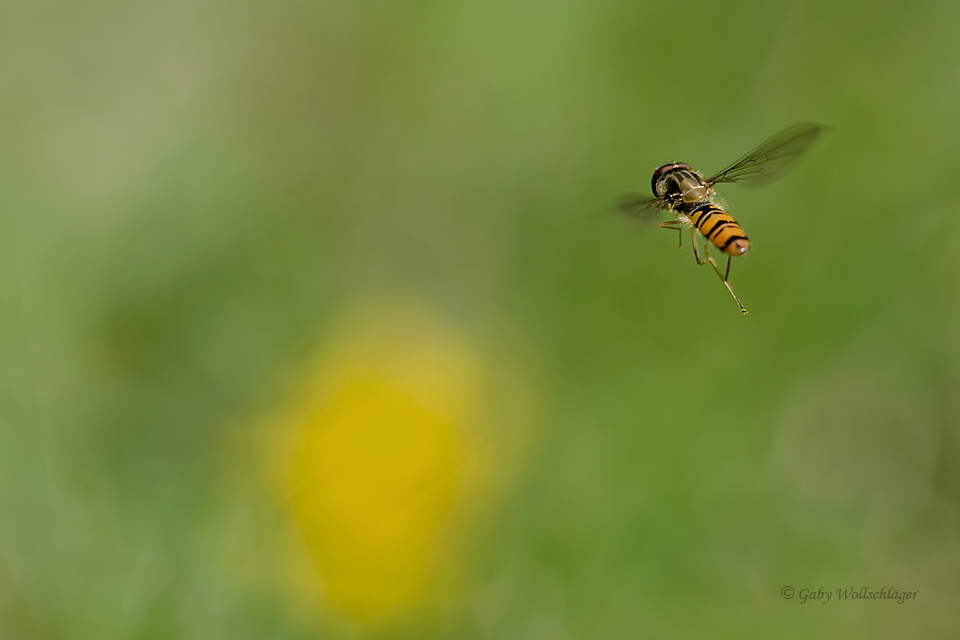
x=685, y=193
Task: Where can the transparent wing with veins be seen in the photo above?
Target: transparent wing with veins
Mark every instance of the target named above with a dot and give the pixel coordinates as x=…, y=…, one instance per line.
x=642, y=208
x=772, y=159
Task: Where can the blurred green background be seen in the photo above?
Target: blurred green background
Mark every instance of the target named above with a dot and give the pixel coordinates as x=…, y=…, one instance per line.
x=195, y=195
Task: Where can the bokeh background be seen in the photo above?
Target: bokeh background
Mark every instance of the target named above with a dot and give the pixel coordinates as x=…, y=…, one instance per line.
x=310, y=328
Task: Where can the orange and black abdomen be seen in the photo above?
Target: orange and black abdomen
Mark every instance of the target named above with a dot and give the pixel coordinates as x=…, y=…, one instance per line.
x=719, y=228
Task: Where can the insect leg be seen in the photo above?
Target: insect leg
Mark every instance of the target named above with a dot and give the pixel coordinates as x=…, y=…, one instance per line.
x=726, y=283
x=674, y=224
x=693, y=240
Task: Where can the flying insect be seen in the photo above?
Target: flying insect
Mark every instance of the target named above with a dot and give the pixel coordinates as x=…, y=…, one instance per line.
x=689, y=196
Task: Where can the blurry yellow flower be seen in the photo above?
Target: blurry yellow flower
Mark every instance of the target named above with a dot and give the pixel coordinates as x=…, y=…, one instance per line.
x=386, y=452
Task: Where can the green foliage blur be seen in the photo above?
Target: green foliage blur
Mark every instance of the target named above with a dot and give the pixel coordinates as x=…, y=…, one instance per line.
x=191, y=191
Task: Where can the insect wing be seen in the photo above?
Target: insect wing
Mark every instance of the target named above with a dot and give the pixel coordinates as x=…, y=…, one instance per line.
x=772, y=159
x=640, y=207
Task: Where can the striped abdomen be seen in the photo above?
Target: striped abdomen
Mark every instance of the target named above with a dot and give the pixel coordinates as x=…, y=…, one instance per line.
x=719, y=228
